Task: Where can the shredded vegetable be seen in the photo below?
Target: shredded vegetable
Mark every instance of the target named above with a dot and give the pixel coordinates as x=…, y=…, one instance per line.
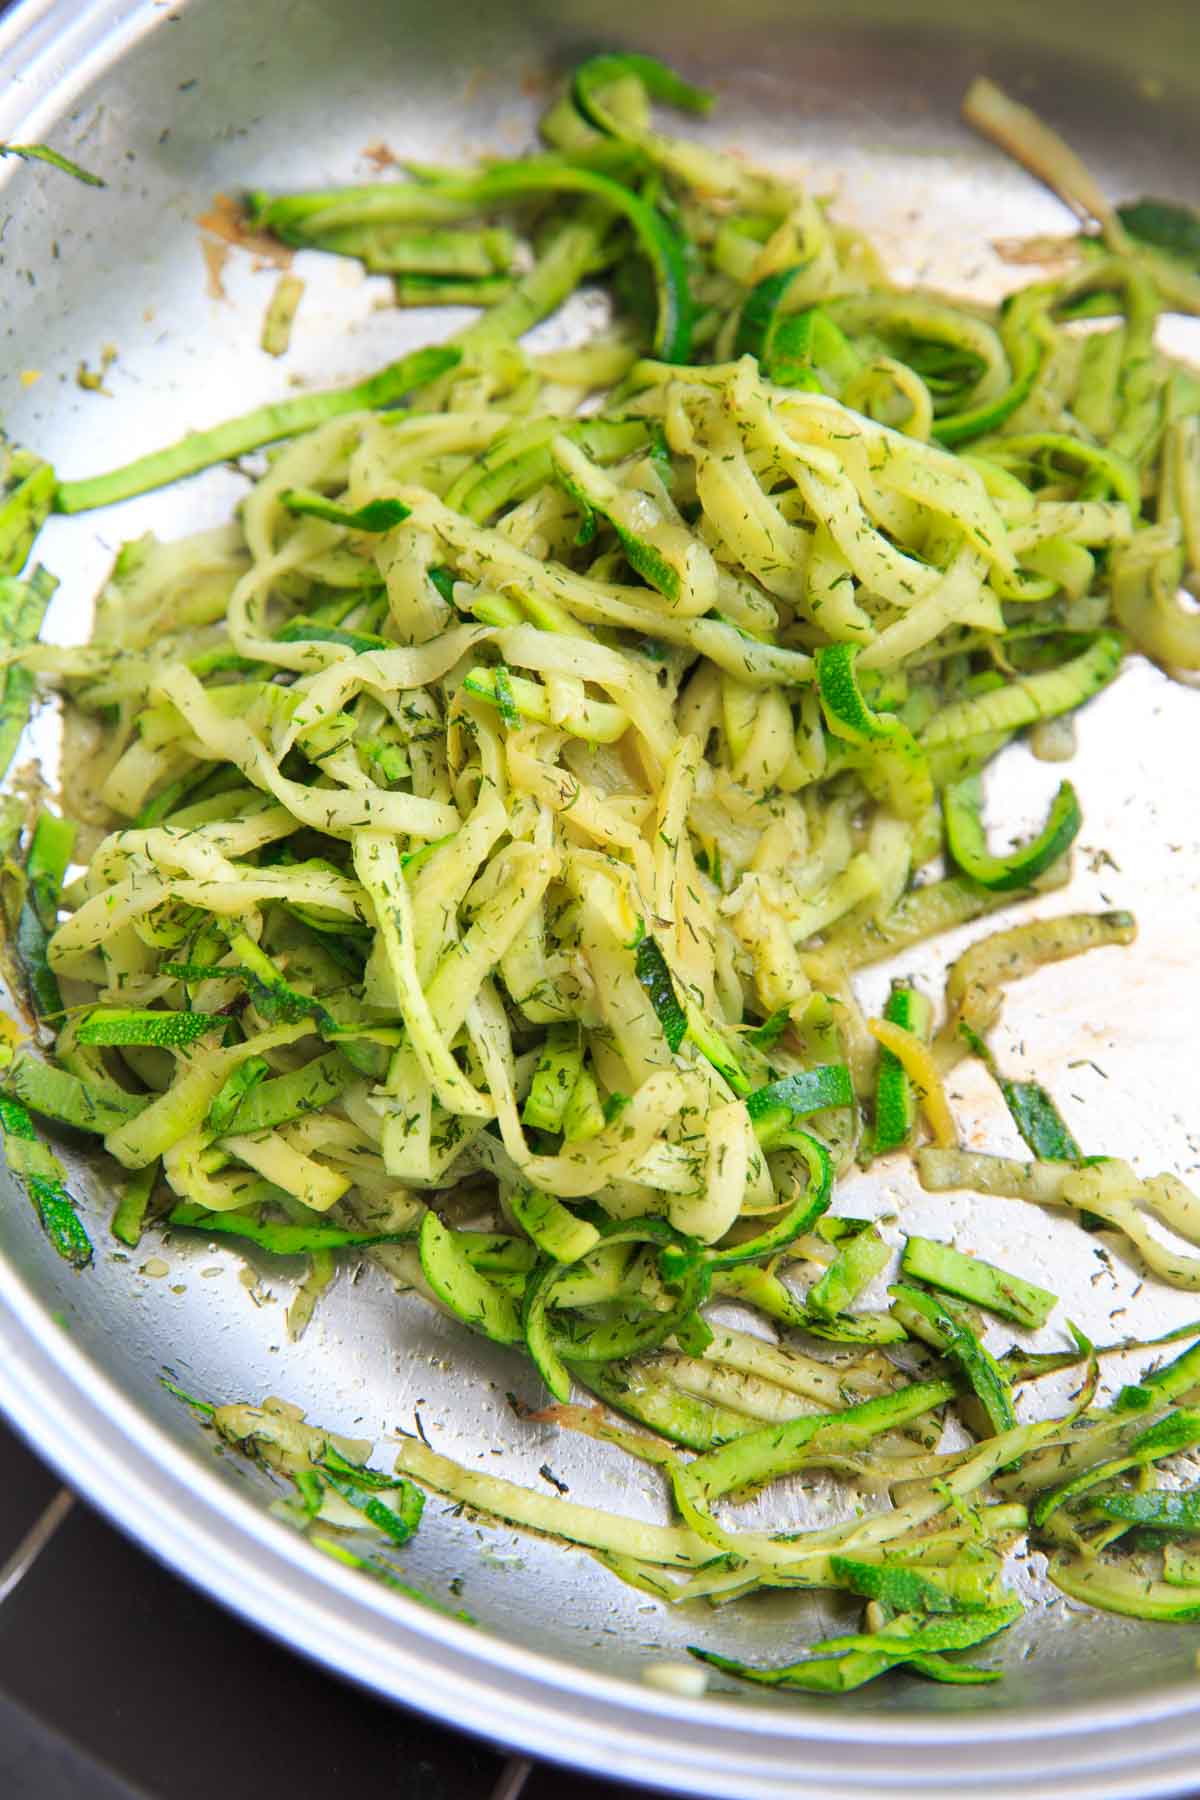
x=502, y=805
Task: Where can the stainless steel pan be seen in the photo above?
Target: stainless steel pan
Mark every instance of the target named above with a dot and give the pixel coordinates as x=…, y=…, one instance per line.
x=175, y=104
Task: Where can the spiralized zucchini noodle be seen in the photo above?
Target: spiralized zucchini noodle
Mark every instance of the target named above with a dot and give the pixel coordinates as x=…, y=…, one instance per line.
x=502, y=803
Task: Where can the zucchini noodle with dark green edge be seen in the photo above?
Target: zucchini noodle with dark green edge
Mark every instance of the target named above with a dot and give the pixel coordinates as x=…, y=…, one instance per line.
x=506, y=799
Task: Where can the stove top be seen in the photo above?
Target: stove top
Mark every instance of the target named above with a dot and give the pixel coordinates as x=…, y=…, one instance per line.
x=118, y=1681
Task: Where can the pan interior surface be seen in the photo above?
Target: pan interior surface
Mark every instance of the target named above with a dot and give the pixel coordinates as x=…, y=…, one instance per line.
x=174, y=108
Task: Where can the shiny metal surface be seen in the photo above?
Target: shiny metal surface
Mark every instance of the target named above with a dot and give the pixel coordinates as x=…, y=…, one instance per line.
x=175, y=104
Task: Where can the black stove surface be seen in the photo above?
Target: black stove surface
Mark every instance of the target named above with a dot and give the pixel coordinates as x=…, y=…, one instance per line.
x=118, y=1681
